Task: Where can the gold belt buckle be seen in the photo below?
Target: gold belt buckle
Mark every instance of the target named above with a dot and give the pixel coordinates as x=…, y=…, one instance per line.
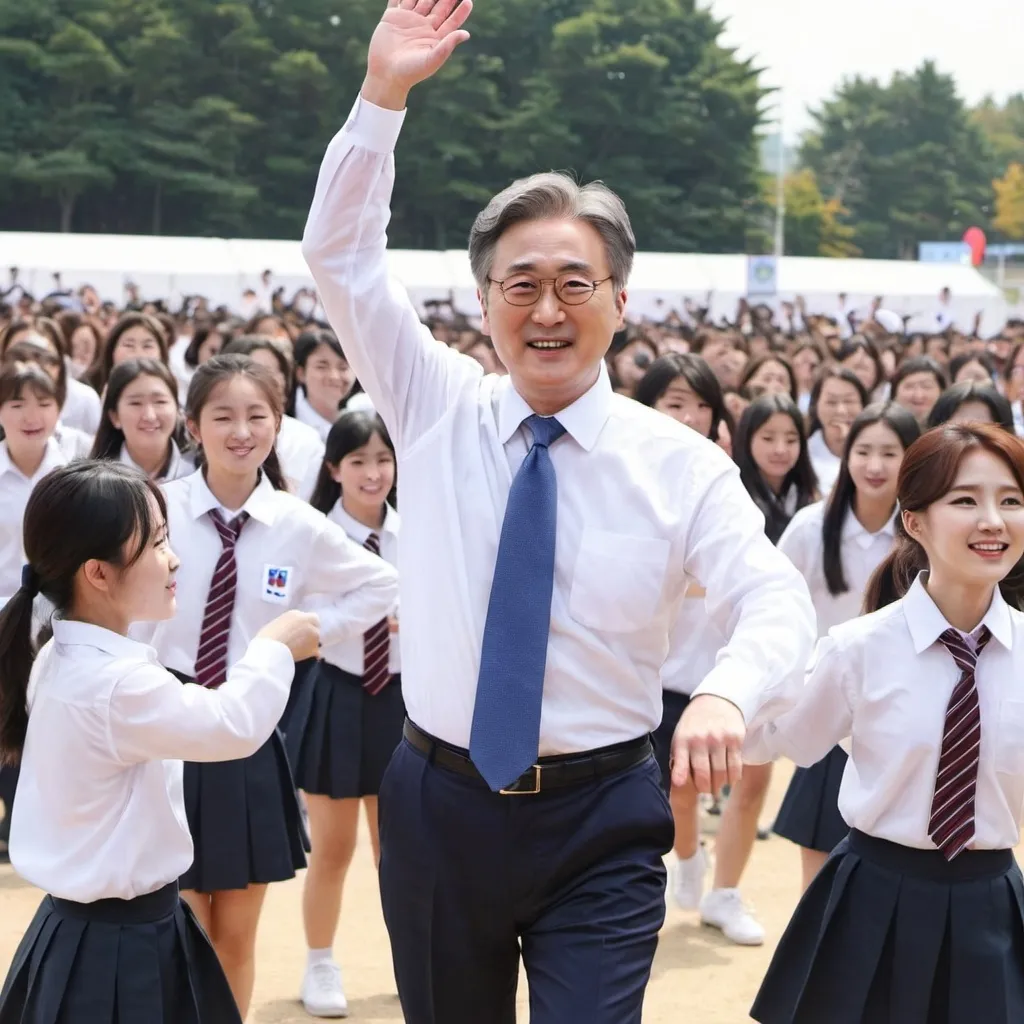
x=525, y=792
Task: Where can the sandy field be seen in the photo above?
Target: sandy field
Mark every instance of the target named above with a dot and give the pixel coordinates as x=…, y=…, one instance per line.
x=698, y=975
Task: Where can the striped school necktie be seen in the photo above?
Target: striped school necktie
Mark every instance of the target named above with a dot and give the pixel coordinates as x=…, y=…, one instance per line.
x=212, y=656
x=376, y=643
x=951, y=824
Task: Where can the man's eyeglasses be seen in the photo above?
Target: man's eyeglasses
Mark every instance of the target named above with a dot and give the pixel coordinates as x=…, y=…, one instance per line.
x=571, y=289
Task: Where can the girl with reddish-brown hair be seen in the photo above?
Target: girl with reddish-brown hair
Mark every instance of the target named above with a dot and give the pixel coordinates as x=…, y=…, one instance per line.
x=918, y=915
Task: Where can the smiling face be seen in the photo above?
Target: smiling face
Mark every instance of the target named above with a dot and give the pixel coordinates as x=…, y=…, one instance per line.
x=770, y=378
x=775, y=449
x=146, y=414
x=237, y=427
x=366, y=476
x=328, y=379
x=839, y=404
x=146, y=589
x=974, y=534
x=917, y=393
x=874, y=463
x=552, y=347
x=29, y=419
x=135, y=343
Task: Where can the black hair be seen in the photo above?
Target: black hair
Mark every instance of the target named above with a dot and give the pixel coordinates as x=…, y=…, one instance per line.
x=15, y=377
x=219, y=369
x=903, y=424
x=306, y=344
x=801, y=476
x=110, y=439
x=246, y=344
x=859, y=343
x=699, y=377
x=825, y=374
x=351, y=430
x=917, y=364
x=970, y=391
x=957, y=363
x=199, y=338
x=83, y=511
x=750, y=370
x=30, y=350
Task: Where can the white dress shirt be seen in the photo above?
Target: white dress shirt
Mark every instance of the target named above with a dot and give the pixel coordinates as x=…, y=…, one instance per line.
x=301, y=453
x=324, y=572
x=826, y=465
x=860, y=552
x=884, y=681
x=82, y=408
x=179, y=465
x=100, y=810
x=15, y=489
x=694, y=645
x=74, y=443
x=348, y=654
x=305, y=413
x=645, y=505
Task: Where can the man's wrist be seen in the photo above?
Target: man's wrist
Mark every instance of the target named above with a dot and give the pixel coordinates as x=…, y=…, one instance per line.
x=386, y=94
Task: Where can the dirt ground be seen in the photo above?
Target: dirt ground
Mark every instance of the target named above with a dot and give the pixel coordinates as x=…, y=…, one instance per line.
x=698, y=975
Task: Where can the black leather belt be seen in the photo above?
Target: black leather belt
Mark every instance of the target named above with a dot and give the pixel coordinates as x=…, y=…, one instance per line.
x=548, y=772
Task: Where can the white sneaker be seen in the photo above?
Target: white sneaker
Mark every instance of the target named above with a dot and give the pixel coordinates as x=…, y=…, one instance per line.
x=688, y=880
x=322, y=994
x=725, y=909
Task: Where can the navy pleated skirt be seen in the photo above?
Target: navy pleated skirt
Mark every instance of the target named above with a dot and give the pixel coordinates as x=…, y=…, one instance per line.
x=673, y=706
x=346, y=741
x=890, y=935
x=141, y=961
x=809, y=815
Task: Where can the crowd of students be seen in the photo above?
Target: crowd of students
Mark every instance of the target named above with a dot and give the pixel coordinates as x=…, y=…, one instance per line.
x=297, y=467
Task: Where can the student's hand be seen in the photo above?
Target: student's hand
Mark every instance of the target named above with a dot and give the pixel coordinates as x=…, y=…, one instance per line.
x=392, y=624
x=298, y=631
x=707, y=745
x=412, y=42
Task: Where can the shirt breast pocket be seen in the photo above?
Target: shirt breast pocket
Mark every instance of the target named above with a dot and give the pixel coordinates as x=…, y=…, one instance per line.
x=617, y=580
x=1009, y=757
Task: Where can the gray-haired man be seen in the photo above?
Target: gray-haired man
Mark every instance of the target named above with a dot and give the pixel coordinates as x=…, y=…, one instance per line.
x=550, y=528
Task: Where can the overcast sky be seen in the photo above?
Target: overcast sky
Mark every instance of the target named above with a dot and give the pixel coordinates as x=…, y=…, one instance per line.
x=808, y=46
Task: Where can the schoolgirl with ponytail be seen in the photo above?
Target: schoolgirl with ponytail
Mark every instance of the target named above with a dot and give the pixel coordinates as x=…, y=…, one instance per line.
x=918, y=915
x=250, y=550
x=99, y=728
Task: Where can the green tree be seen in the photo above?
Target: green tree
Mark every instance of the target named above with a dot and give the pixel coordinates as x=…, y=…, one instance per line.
x=814, y=226
x=1003, y=128
x=1009, y=189
x=905, y=159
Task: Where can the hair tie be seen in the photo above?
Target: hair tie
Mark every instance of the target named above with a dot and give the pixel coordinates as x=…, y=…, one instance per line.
x=29, y=580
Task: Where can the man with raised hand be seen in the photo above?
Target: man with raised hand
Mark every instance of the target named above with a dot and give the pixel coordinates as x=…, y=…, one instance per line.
x=550, y=528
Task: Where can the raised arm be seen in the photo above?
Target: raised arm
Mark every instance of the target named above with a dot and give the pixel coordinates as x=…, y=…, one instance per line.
x=409, y=376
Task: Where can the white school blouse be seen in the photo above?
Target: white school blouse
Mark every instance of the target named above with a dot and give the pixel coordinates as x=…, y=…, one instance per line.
x=348, y=654
x=288, y=556
x=305, y=413
x=301, y=453
x=884, y=681
x=645, y=505
x=100, y=811
x=15, y=489
x=180, y=465
x=82, y=407
x=861, y=553
x=695, y=643
x=826, y=465
x=74, y=443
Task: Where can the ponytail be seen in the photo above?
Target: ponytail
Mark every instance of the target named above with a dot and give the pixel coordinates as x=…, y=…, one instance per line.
x=897, y=572
x=16, y=655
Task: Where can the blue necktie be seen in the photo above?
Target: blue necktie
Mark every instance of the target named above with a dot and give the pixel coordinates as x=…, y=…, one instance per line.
x=505, y=737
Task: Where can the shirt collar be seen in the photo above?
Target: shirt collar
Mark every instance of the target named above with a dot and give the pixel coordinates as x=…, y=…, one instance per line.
x=305, y=413
x=584, y=419
x=173, y=464
x=359, y=531
x=927, y=623
x=260, y=504
x=853, y=529
x=53, y=458
x=85, y=634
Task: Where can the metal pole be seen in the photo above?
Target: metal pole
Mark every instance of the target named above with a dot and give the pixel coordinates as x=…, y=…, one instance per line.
x=780, y=192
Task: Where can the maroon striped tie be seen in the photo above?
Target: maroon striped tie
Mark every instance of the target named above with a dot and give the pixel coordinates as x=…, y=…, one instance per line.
x=376, y=643
x=951, y=824
x=212, y=656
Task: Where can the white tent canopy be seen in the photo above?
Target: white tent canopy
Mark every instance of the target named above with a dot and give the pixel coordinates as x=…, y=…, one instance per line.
x=221, y=269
